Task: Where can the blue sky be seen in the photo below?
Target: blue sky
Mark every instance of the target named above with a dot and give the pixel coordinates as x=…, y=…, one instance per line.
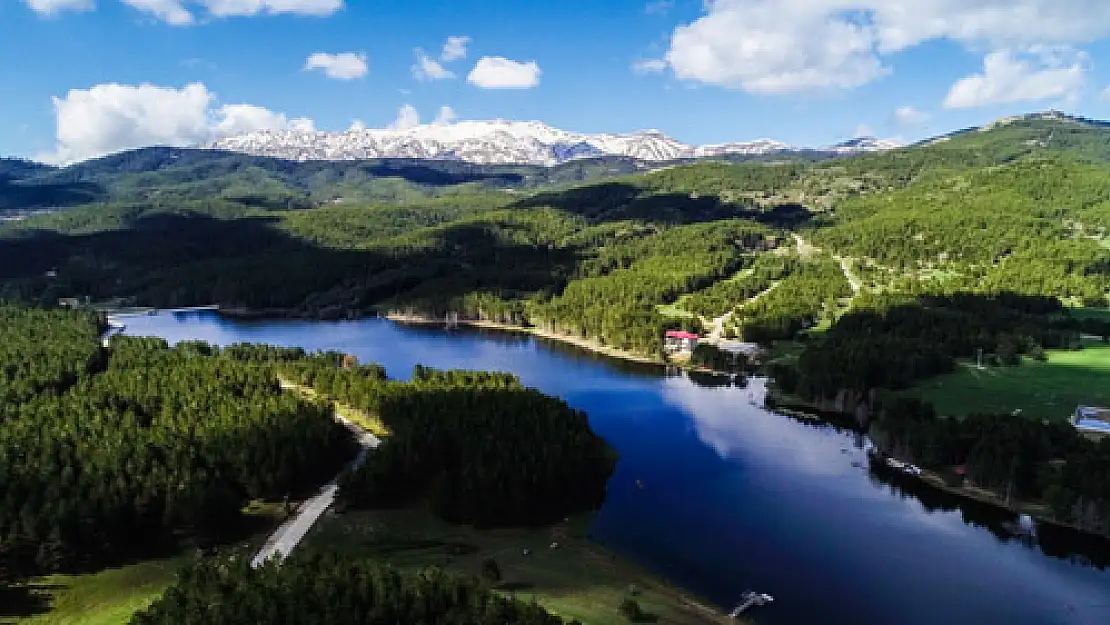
x=808, y=72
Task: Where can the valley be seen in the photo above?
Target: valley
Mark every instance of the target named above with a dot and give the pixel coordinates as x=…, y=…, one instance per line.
x=948, y=300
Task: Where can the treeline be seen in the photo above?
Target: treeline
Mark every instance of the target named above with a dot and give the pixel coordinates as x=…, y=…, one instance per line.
x=765, y=270
x=1030, y=460
x=331, y=589
x=475, y=447
x=43, y=351
x=162, y=448
x=891, y=341
x=1036, y=226
x=619, y=306
x=809, y=293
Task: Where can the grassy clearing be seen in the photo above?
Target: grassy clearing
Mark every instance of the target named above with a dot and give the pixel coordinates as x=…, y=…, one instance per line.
x=109, y=597
x=112, y=596
x=1042, y=390
x=576, y=580
x=674, y=310
x=370, y=422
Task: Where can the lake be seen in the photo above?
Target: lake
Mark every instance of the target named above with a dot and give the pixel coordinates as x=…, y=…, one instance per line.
x=735, y=497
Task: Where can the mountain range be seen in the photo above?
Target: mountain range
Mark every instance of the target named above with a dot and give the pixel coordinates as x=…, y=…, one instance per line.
x=503, y=142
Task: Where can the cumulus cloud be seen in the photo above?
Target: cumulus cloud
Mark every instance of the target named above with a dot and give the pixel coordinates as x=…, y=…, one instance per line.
x=1033, y=75
x=454, y=48
x=495, y=72
x=446, y=115
x=427, y=68
x=177, y=13
x=111, y=117
x=909, y=116
x=53, y=7
x=752, y=45
x=341, y=66
x=407, y=117
x=649, y=66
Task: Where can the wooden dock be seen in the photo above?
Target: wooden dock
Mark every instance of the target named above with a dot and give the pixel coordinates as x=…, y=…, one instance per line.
x=750, y=599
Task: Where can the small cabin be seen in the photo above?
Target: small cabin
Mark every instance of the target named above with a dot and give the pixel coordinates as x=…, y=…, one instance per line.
x=1092, y=419
x=680, y=342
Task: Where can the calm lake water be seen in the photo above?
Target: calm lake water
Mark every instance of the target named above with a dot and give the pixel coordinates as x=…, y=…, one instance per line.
x=736, y=497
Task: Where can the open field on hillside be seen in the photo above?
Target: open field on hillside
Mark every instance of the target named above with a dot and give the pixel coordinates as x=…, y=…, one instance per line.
x=576, y=580
x=109, y=597
x=112, y=596
x=1042, y=390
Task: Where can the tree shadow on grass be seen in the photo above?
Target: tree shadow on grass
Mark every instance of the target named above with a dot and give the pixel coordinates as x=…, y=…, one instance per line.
x=26, y=600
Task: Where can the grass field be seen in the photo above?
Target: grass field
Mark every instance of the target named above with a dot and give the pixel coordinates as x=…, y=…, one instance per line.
x=1042, y=390
x=576, y=580
x=109, y=597
x=112, y=596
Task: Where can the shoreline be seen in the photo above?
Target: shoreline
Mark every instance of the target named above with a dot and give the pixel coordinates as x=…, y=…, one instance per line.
x=591, y=548
x=585, y=344
x=931, y=479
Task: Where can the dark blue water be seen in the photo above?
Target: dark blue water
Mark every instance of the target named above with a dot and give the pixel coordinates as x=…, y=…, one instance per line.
x=735, y=497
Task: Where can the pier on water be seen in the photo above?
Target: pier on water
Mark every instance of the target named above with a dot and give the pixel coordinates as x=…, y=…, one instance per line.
x=750, y=599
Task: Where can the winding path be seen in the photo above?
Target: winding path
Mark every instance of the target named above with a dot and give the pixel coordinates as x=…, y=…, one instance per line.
x=290, y=533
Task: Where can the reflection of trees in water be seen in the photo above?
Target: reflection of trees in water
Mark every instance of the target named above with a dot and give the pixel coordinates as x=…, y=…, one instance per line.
x=706, y=379
x=1053, y=540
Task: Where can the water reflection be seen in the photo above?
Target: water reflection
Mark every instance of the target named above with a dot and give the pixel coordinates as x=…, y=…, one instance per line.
x=1050, y=539
x=734, y=496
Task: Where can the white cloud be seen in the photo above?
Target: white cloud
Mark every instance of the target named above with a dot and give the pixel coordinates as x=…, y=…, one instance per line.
x=357, y=126
x=649, y=66
x=753, y=47
x=790, y=46
x=454, y=48
x=427, y=68
x=407, y=117
x=341, y=66
x=1106, y=93
x=171, y=12
x=863, y=130
x=495, y=72
x=53, y=7
x=658, y=7
x=1007, y=77
x=446, y=115
x=237, y=119
x=177, y=13
x=909, y=116
x=112, y=117
x=238, y=8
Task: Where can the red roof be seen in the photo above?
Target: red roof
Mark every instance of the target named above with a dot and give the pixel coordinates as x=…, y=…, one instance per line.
x=680, y=334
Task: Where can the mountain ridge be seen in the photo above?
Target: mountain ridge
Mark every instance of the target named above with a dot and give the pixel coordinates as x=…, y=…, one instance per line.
x=504, y=142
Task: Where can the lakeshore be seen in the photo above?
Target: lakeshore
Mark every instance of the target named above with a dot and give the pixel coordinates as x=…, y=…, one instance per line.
x=582, y=343
x=746, y=500
x=538, y=564
x=1041, y=512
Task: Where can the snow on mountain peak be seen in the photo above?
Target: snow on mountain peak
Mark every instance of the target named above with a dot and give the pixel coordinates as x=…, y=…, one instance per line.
x=496, y=141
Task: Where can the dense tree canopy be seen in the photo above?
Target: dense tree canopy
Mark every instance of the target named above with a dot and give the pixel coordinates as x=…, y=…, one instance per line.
x=476, y=447
x=107, y=454
x=330, y=589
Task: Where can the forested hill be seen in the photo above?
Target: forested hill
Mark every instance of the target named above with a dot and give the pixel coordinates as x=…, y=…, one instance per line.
x=770, y=249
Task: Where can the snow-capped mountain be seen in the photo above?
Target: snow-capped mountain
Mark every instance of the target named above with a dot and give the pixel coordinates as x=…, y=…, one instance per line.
x=497, y=142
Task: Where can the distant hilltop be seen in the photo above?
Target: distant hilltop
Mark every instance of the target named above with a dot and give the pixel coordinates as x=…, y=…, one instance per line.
x=503, y=142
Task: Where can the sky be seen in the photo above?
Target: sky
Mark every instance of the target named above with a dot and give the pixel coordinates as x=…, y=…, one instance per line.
x=83, y=78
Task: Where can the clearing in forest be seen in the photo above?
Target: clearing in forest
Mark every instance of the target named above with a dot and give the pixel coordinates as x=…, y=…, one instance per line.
x=1041, y=390
x=577, y=579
